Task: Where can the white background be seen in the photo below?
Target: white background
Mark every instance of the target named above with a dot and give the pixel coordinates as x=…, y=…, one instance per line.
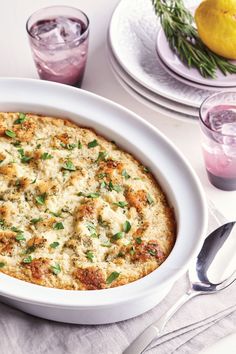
x=16, y=61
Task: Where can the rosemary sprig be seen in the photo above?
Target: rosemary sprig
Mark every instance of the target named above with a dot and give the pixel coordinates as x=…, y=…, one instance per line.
x=182, y=36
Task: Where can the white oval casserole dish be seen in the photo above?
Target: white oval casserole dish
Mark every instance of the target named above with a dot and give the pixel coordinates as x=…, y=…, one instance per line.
x=176, y=177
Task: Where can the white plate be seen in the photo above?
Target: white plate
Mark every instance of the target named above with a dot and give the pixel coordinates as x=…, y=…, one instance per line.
x=211, y=89
x=172, y=61
x=173, y=172
x=155, y=99
x=132, y=33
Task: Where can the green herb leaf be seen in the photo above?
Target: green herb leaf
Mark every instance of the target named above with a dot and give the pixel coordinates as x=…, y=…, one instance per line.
x=26, y=159
x=106, y=245
x=103, y=184
x=101, y=156
x=102, y=175
x=93, y=195
x=92, y=144
x=150, y=199
x=132, y=251
x=2, y=224
x=46, y=156
x=2, y=264
x=138, y=240
x=21, y=152
x=114, y=187
x=20, y=119
x=145, y=169
x=35, y=221
x=152, y=252
x=10, y=133
x=55, y=244
x=127, y=226
x=69, y=166
x=40, y=199
x=16, y=143
x=125, y=174
x=20, y=237
x=121, y=204
x=113, y=276
x=118, y=236
x=90, y=256
x=56, y=269
x=79, y=145
x=27, y=259
x=58, y=226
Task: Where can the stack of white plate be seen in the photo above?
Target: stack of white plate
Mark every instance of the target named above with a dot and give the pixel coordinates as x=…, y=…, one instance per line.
x=145, y=65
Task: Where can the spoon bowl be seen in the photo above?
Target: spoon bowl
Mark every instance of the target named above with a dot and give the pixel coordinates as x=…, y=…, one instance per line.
x=206, y=275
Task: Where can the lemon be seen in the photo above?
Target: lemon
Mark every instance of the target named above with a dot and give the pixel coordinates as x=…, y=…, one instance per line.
x=216, y=24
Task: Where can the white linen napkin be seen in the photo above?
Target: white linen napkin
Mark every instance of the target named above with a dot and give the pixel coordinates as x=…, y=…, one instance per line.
x=198, y=324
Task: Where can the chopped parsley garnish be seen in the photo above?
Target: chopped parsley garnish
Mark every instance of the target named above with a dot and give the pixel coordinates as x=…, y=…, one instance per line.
x=103, y=184
x=30, y=249
x=152, y=252
x=92, y=144
x=58, y=226
x=125, y=174
x=101, y=156
x=46, y=156
x=92, y=229
x=102, y=175
x=56, y=269
x=90, y=195
x=113, y=276
x=118, y=236
x=69, y=166
x=121, y=204
x=27, y=259
x=132, y=251
x=40, y=199
x=79, y=145
x=2, y=264
x=138, y=240
x=68, y=146
x=10, y=133
x=35, y=221
x=90, y=256
x=127, y=226
x=55, y=244
x=20, y=237
x=120, y=254
x=38, y=146
x=20, y=119
x=150, y=199
x=2, y=224
x=26, y=159
x=106, y=245
x=114, y=187
x=57, y=215
x=16, y=143
x=19, y=233
x=93, y=195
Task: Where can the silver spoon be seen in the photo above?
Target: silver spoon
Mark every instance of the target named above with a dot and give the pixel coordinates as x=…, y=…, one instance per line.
x=204, y=278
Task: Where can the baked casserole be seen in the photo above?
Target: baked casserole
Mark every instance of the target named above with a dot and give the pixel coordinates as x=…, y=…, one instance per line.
x=76, y=212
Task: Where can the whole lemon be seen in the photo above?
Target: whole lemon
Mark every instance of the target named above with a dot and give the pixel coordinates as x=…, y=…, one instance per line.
x=216, y=24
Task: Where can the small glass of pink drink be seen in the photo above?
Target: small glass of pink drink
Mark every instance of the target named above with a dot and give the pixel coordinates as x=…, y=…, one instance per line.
x=58, y=37
x=218, y=127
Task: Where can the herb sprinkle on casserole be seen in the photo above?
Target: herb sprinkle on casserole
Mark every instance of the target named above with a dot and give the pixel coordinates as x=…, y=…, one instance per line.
x=76, y=212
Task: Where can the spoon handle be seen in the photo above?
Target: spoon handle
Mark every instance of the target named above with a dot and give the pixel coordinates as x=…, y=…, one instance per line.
x=156, y=328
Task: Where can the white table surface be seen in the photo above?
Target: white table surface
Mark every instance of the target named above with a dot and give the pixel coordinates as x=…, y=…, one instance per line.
x=16, y=61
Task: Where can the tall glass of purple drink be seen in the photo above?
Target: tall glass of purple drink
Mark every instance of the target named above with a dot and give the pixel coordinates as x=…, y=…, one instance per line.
x=58, y=37
x=218, y=127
